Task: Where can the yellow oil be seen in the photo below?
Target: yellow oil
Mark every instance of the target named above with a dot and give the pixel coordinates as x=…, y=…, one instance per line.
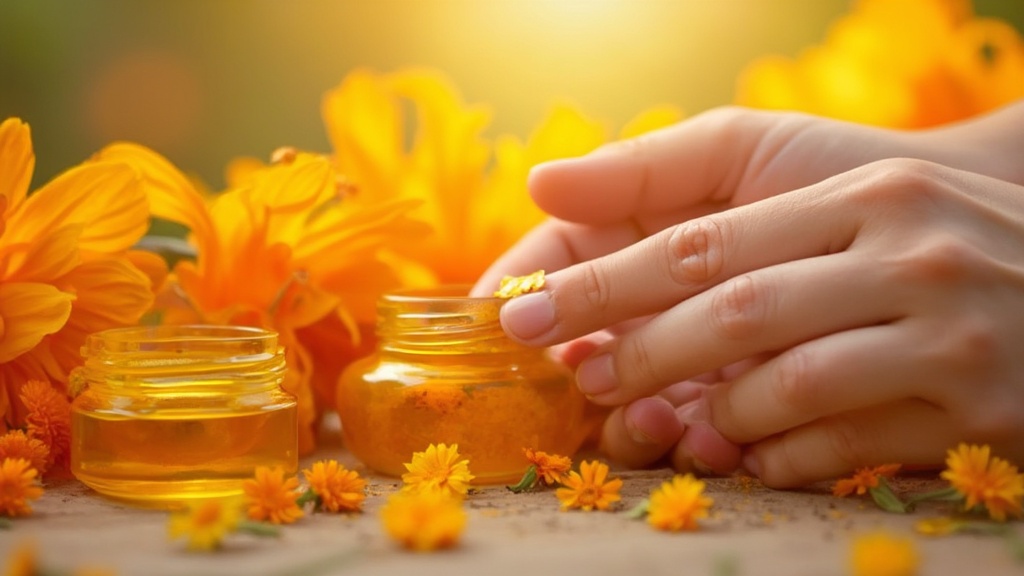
x=173, y=455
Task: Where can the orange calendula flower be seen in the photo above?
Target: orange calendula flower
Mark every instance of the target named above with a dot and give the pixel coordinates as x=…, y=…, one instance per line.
x=589, y=488
x=986, y=480
x=337, y=488
x=18, y=485
x=270, y=497
x=474, y=190
x=863, y=480
x=678, y=504
x=205, y=523
x=551, y=468
x=438, y=469
x=283, y=248
x=17, y=444
x=48, y=419
x=883, y=554
x=424, y=521
x=66, y=264
x=23, y=561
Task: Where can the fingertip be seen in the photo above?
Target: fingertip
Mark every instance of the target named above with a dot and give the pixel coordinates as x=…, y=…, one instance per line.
x=640, y=433
x=704, y=449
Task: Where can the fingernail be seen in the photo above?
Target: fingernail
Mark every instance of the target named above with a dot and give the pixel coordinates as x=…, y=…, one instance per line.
x=695, y=411
x=596, y=375
x=528, y=316
x=752, y=464
x=701, y=467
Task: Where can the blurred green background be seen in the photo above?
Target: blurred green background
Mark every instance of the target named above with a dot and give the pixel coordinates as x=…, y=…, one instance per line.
x=203, y=81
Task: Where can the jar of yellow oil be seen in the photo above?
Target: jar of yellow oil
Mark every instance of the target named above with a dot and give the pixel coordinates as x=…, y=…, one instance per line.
x=171, y=413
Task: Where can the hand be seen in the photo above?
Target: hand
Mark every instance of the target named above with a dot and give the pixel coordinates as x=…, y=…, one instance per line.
x=884, y=300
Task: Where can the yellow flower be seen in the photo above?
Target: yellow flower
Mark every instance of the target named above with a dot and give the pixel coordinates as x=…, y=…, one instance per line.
x=18, y=485
x=205, y=522
x=66, y=269
x=48, y=419
x=512, y=286
x=23, y=561
x=424, y=521
x=282, y=249
x=438, y=469
x=272, y=498
x=475, y=213
x=552, y=468
x=873, y=68
x=339, y=489
x=940, y=526
x=882, y=554
x=985, y=479
x=678, y=504
x=17, y=444
x=589, y=488
x=863, y=480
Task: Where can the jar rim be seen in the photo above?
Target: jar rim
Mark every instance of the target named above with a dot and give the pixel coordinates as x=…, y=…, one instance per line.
x=444, y=292
x=174, y=332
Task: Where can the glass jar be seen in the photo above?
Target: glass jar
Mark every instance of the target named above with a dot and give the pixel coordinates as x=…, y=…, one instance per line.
x=170, y=413
x=444, y=372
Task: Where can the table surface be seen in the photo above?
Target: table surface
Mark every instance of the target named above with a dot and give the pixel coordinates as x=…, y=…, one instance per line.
x=752, y=531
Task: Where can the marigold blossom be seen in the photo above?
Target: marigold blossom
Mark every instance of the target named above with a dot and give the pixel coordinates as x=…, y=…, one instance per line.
x=205, y=522
x=589, y=488
x=17, y=444
x=986, y=480
x=282, y=249
x=270, y=497
x=66, y=264
x=48, y=417
x=438, y=468
x=18, y=485
x=883, y=554
x=338, y=489
x=424, y=521
x=552, y=468
x=512, y=286
x=863, y=480
x=678, y=504
x=23, y=561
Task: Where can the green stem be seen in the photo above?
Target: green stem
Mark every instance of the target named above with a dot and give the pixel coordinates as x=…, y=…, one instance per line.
x=528, y=481
x=308, y=496
x=258, y=528
x=944, y=495
x=887, y=499
x=640, y=510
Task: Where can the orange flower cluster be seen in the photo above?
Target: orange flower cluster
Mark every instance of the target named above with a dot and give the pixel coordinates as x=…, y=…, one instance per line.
x=66, y=268
x=270, y=497
x=896, y=63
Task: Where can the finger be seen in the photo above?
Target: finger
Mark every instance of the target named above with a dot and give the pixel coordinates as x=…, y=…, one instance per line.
x=640, y=433
x=770, y=309
x=702, y=159
x=682, y=261
x=837, y=373
x=703, y=449
x=553, y=245
x=910, y=432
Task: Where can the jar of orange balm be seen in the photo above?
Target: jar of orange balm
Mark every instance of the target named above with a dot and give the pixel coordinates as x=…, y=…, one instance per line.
x=444, y=372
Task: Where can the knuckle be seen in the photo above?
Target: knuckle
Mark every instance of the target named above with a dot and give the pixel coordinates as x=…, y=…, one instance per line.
x=792, y=382
x=849, y=440
x=943, y=259
x=636, y=360
x=739, y=308
x=696, y=251
x=596, y=288
x=904, y=184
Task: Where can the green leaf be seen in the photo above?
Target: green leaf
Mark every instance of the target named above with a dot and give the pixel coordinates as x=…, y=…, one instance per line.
x=259, y=528
x=640, y=510
x=528, y=481
x=886, y=499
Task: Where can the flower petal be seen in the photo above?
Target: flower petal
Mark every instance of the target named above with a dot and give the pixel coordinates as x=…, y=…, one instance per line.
x=104, y=197
x=28, y=312
x=17, y=161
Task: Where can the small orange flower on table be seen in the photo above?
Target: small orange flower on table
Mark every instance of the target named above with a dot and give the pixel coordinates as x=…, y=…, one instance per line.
x=425, y=520
x=438, y=468
x=206, y=522
x=985, y=480
x=48, y=419
x=678, y=504
x=17, y=444
x=863, y=480
x=18, y=485
x=336, y=488
x=883, y=554
x=272, y=498
x=589, y=488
